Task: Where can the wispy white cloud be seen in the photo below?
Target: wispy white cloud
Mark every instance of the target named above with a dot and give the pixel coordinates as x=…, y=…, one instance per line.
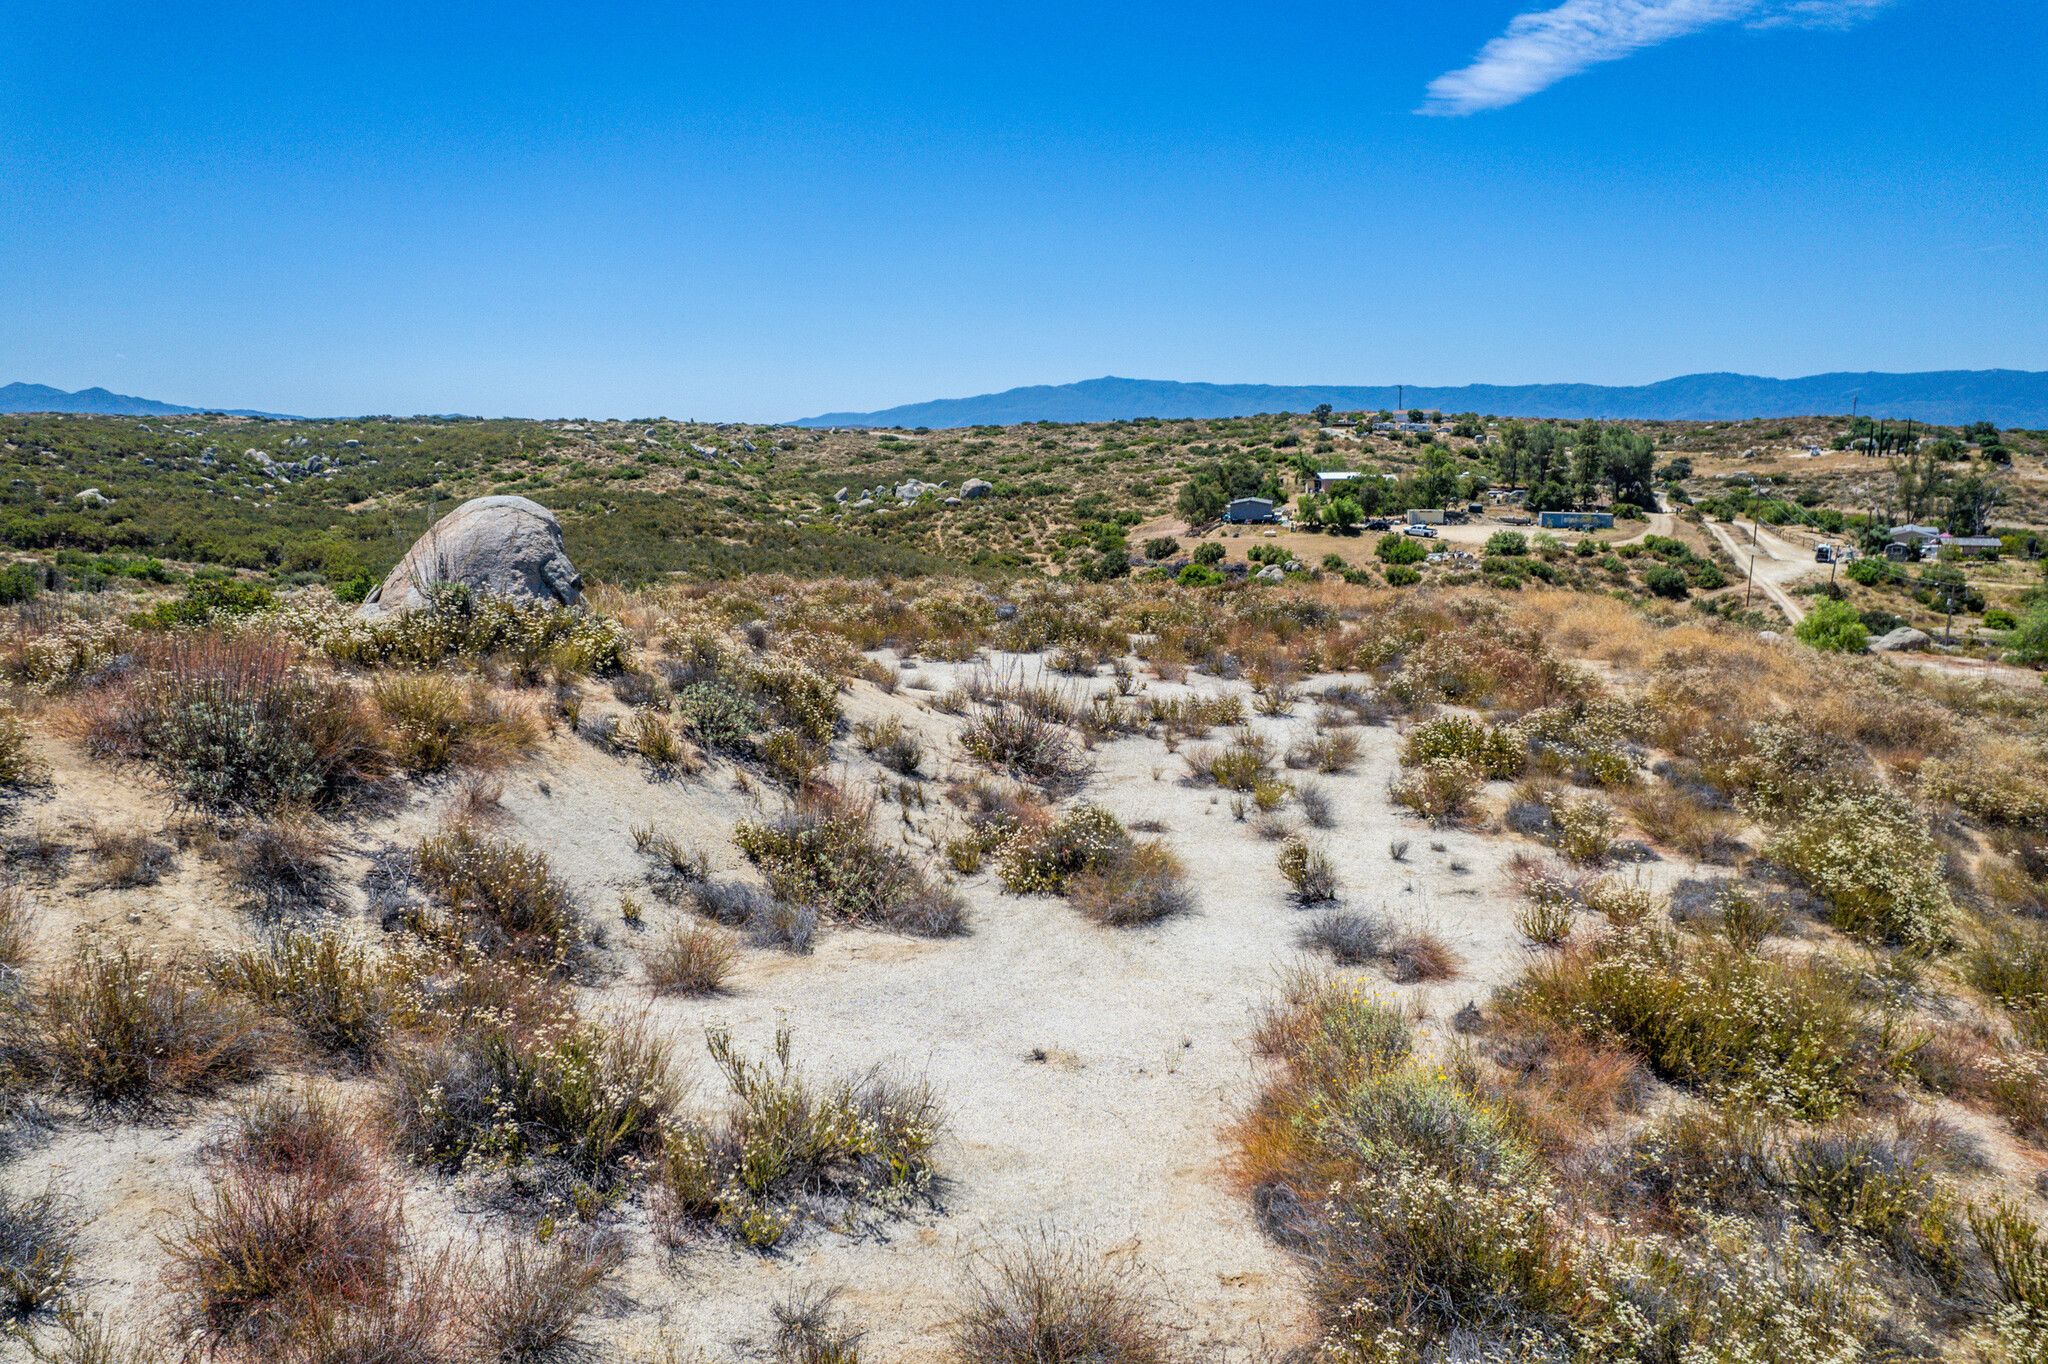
x=1540, y=49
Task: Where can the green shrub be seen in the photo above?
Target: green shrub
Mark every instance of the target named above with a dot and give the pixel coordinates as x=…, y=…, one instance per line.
x=1747, y=1028
x=1998, y=618
x=231, y=722
x=1834, y=626
x=350, y=999
x=1498, y=753
x=1162, y=547
x=208, y=601
x=788, y=1145
x=511, y=1085
x=1309, y=871
x=1400, y=549
x=824, y=853
x=1402, y=576
x=1209, y=553
x=508, y=895
x=1507, y=543
x=1666, y=581
x=1043, y=861
x=1867, y=572
x=1867, y=853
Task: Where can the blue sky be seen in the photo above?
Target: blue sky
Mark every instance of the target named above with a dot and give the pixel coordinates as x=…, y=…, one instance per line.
x=771, y=210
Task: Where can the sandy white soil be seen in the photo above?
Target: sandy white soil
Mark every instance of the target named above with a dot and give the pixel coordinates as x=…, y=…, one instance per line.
x=1088, y=1073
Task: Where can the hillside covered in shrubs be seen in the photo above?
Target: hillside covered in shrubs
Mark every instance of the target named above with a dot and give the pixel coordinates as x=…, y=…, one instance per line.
x=1035, y=970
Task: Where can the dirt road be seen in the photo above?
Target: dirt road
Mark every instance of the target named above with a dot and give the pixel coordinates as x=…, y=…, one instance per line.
x=1777, y=563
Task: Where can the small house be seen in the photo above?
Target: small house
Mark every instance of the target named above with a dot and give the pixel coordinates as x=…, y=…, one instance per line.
x=1331, y=479
x=1572, y=520
x=1977, y=544
x=1244, y=510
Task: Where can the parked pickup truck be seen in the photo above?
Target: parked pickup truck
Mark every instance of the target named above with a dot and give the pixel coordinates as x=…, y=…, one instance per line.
x=1421, y=532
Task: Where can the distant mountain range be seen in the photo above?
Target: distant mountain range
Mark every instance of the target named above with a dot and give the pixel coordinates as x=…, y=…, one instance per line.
x=43, y=398
x=2009, y=397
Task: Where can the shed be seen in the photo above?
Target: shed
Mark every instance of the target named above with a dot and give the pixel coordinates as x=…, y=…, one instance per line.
x=1977, y=544
x=1569, y=520
x=1249, y=509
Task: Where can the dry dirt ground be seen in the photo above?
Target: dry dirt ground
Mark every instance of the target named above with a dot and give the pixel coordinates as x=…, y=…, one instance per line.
x=1088, y=1073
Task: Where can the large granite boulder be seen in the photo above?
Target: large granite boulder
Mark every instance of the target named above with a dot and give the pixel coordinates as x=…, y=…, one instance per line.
x=504, y=547
x=976, y=487
x=1903, y=638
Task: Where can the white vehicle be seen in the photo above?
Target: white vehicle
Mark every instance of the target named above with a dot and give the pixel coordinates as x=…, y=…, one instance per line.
x=1421, y=532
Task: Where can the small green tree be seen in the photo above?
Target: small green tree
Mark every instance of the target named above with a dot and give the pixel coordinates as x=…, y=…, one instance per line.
x=1210, y=553
x=1162, y=547
x=1835, y=626
x=2030, y=642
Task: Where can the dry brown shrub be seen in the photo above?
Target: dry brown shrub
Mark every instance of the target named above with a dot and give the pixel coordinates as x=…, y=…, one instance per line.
x=1672, y=819
x=1562, y=1087
x=1420, y=955
x=1141, y=884
x=120, y=1029
x=129, y=857
x=1046, y=1300
x=693, y=959
x=17, y=924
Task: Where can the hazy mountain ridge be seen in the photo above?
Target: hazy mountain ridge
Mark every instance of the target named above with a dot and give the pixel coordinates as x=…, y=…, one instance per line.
x=101, y=402
x=2008, y=397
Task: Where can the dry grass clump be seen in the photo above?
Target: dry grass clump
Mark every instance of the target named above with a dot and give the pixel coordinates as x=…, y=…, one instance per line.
x=889, y=744
x=690, y=960
x=1195, y=715
x=508, y=895
x=1309, y=871
x=1044, y=1300
x=532, y=1307
x=1408, y=955
x=37, y=1241
x=437, y=722
x=349, y=999
x=19, y=764
x=1141, y=884
x=283, y=862
x=824, y=853
x=1330, y=752
x=1245, y=764
x=790, y=1148
x=1676, y=819
x=1028, y=747
x=1316, y=805
x=808, y=1332
x=267, y=1250
x=17, y=924
x=120, y=1029
x=129, y=857
x=236, y=723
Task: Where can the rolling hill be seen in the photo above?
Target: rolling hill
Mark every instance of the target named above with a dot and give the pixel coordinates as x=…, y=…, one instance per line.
x=2011, y=398
x=100, y=402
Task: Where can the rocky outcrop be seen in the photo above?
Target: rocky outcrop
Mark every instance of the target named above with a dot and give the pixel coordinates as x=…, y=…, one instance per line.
x=976, y=487
x=509, y=548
